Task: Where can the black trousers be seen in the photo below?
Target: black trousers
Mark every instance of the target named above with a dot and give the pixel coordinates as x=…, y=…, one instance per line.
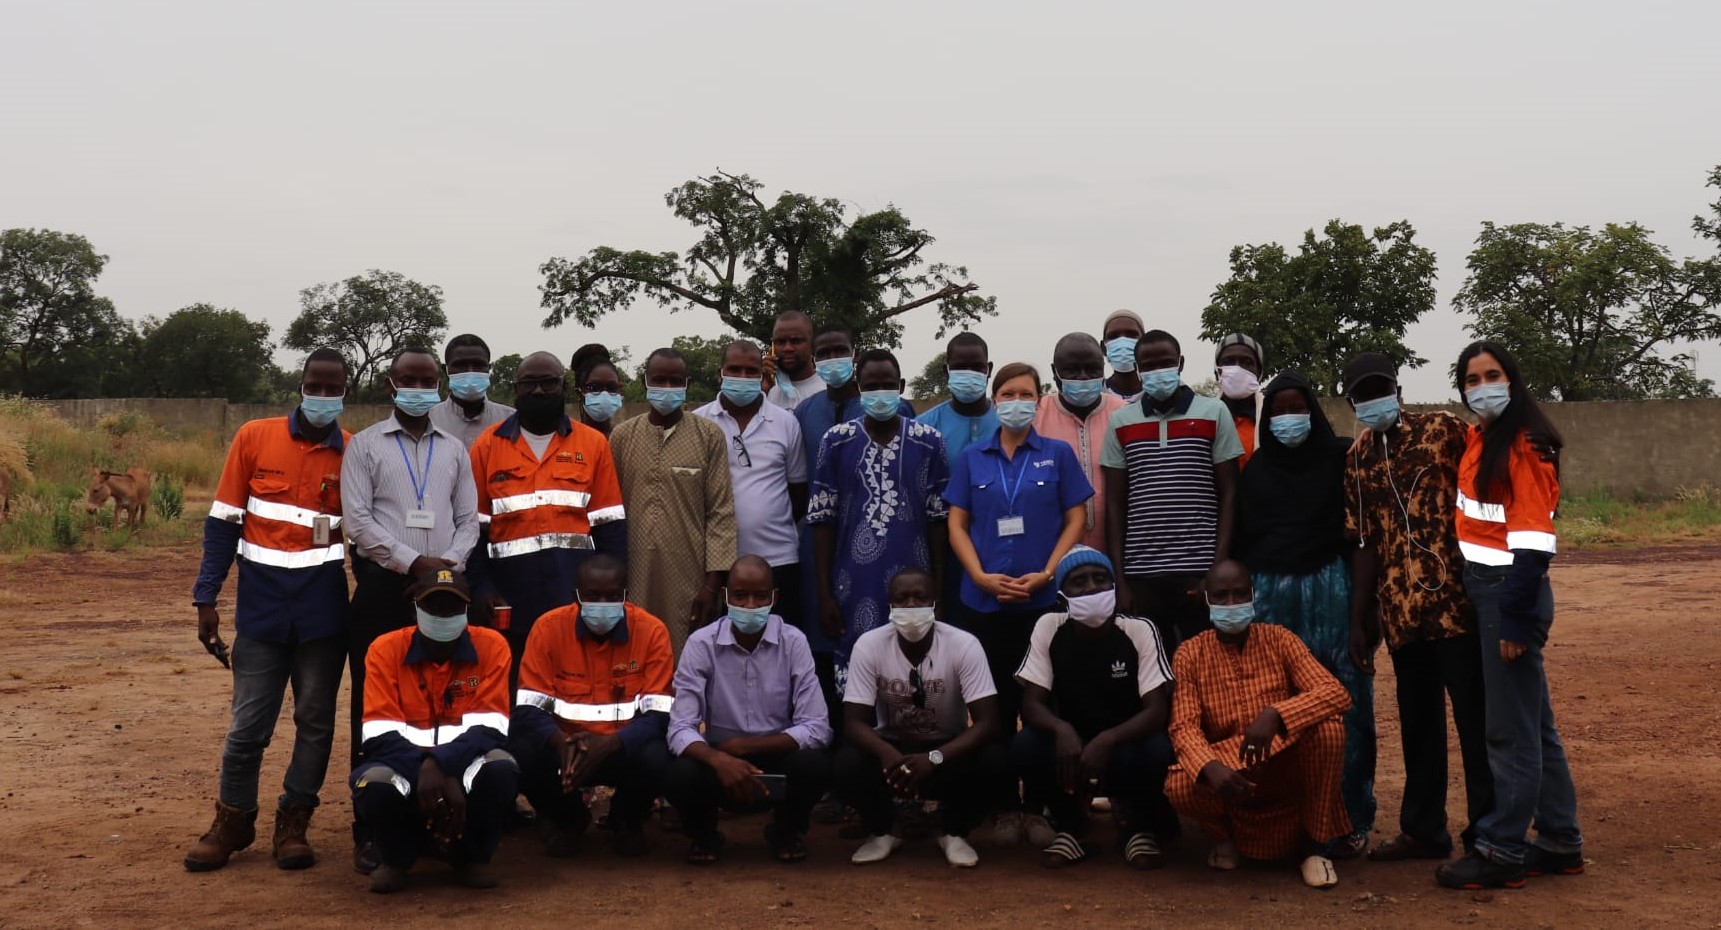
x=1429, y=673
x=1135, y=780
x=636, y=776
x=379, y=606
x=1173, y=603
x=964, y=788
x=787, y=579
x=1004, y=634
x=694, y=790
x=399, y=827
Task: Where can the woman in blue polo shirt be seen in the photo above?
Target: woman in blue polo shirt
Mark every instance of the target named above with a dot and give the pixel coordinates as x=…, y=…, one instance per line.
x=1015, y=509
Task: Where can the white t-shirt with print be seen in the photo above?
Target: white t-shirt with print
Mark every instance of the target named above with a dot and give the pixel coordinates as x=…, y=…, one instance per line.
x=953, y=673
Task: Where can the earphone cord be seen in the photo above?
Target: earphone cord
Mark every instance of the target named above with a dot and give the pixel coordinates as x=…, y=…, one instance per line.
x=1404, y=512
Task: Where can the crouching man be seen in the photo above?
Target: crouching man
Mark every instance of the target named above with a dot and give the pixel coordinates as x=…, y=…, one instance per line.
x=432, y=776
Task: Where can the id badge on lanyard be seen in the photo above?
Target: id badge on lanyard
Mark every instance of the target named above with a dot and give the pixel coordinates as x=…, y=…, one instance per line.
x=419, y=518
x=1012, y=525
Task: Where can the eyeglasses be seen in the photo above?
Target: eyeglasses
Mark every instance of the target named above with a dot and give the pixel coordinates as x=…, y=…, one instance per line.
x=537, y=385
x=741, y=450
x=919, y=687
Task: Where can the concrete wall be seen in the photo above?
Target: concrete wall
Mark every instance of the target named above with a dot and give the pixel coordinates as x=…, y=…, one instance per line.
x=1651, y=448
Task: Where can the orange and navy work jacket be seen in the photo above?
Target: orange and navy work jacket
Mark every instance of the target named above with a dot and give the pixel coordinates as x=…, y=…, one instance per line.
x=1504, y=519
x=277, y=488
x=573, y=680
x=455, y=711
x=542, y=517
x=1246, y=433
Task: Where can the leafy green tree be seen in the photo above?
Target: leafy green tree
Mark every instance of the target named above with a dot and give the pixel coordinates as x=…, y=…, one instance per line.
x=502, y=372
x=1346, y=291
x=204, y=351
x=931, y=384
x=369, y=318
x=1594, y=314
x=704, y=369
x=754, y=260
x=50, y=315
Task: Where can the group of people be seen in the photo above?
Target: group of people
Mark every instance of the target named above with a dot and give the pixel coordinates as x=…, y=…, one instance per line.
x=1021, y=605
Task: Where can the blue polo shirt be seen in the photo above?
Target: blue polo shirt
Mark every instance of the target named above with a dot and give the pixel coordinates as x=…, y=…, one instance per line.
x=960, y=431
x=1039, y=484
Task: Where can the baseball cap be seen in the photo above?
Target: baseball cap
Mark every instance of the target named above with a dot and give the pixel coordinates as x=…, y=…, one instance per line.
x=441, y=581
x=1239, y=339
x=1368, y=365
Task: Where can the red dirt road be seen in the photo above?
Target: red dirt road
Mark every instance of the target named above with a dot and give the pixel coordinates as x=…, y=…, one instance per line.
x=112, y=716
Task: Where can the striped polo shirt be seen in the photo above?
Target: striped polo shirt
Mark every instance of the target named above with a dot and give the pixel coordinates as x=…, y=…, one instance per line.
x=1173, y=519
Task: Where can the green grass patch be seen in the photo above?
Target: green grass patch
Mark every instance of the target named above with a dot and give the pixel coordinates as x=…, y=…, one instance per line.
x=1603, y=521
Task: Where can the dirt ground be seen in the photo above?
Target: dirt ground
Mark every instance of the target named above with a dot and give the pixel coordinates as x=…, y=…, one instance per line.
x=112, y=716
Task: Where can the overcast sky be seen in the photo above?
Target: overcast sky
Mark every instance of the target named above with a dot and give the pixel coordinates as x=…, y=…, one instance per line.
x=1077, y=158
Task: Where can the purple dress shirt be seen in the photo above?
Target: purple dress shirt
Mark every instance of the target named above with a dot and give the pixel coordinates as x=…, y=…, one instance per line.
x=733, y=692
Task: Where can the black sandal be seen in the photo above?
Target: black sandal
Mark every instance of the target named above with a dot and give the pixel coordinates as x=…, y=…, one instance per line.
x=705, y=849
x=785, y=846
x=1064, y=852
x=1142, y=852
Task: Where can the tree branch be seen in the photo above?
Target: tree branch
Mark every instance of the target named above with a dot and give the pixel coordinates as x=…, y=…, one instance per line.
x=944, y=293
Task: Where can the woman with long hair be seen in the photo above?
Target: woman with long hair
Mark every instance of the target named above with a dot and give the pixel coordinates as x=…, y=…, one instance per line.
x=1507, y=495
x=598, y=382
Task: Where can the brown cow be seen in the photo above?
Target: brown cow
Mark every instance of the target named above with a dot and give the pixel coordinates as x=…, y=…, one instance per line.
x=129, y=489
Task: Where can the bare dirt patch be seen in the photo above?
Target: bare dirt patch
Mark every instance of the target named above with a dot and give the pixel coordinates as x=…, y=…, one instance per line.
x=112, y=716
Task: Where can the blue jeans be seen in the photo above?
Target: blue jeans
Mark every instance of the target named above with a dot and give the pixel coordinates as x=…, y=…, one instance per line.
x=1532, y=781
x=262, y=671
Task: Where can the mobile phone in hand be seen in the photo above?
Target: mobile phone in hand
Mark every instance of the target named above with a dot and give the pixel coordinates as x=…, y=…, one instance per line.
x=776, y=786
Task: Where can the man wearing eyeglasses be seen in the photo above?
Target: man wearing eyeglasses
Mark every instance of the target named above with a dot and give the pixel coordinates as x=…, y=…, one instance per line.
x=548, y=498
x=767, y=471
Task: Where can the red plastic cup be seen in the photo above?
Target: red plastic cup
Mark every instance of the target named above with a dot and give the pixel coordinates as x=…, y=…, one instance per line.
x=504, y=617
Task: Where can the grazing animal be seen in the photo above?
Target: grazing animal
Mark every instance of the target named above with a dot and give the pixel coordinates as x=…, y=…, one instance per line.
x=129, y=490
x=5, y=494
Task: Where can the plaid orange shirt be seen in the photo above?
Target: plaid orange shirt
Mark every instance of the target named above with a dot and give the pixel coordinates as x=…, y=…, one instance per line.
x=1221, y=689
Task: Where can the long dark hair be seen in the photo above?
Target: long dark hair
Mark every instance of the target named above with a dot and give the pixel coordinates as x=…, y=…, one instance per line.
x=1522, y=415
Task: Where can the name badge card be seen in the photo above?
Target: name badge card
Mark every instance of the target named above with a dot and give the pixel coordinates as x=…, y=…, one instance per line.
x=420, y=520
x=1011, y=526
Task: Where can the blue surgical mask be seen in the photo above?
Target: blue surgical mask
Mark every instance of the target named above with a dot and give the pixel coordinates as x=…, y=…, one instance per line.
x=601, y=406
x=1378, y=414
x=966, y=386
x=1489, y=400
x=320, y=411
x=749, y=620
x=881, y=405
x=1292, y=429
x=1082, y=393
x=1161, y=383
x=440, y=629
x=742, y=392
x=1231, y=618
x=469, y=385
x=1016, y=414
x=416, y=402
x=602, y=616
x=836, y=372
x=666, y=400
x=1121, y=353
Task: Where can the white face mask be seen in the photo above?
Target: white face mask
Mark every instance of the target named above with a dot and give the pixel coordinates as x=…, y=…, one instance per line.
x=1237, y=382
x=1092, y=610
x=912, y=623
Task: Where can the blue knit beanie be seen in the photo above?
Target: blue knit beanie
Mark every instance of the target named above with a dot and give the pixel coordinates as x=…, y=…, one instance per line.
x=1076, y=558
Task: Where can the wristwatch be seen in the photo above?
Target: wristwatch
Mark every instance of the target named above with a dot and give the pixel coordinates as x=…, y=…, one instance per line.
x=935, y=757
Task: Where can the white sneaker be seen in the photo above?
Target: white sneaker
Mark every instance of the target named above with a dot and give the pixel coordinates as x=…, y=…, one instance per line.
x=1007, y=829
x=1224, y=856
x=1100, y=805
x=957, y=852
x=876, y=849
x=1038, y=831
x=1318, y=872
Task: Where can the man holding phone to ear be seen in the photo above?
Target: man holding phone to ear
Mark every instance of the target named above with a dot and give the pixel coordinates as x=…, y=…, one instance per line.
x=749, y=680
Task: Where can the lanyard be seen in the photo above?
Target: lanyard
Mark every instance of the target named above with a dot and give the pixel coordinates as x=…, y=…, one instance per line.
x=1004, y=479
x=412, y=474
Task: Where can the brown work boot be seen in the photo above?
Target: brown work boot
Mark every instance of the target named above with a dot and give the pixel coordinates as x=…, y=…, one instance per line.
x=292, y=850
x=232, y=831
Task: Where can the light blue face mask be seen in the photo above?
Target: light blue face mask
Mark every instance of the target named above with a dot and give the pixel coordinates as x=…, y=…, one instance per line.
x=1121, y=353
x=742, y=392
x=1231, y=618
x=416, y=402
x=881, y=405
x=1378, y=414
x=469, y=385
x=1489, y=400
x=749, y=620
x=602, y=616
x=1082, y=393
x=666, y=400
x=966, y=386
x=836, y=372
x=1017, y=414
x=1292, y=429
x=1161, y=383
x=440, y=629
x=320, y=411
x=601, y=406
